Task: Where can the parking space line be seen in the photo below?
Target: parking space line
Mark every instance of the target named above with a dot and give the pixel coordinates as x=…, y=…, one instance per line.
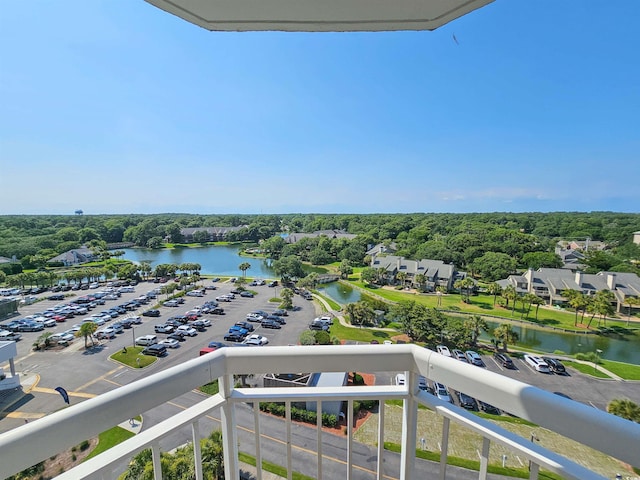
x=25, y=415
x=55, y=392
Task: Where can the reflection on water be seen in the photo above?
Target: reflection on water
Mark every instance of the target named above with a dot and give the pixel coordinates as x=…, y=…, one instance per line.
x=340, y=292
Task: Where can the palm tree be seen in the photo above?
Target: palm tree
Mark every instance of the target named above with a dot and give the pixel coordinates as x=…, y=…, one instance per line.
x=631, y=301
x=87, y=329
x=244, y=266
x=506, y=334
x=401, y=277
x=495, y=290
x=421, y=280
x=624, y=408
x=474, y=324
x=528, y=299
x=465, y=285
x=509, y=293
x=537, y=302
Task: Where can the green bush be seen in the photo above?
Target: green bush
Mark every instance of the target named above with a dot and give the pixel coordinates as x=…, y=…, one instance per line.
x=298, y=414
x=357, y=379
x=84, y=445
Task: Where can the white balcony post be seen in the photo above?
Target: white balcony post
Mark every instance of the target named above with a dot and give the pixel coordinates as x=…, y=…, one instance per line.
x=157, y=465
x=197, y=451
x=288, y=417
x=319, y=429
x=484, y=458
x=380, y=472
x=349, y=439
x=256, y=428
x=409, y=422
x=444, y=448
x=229, y=435
x=533, y=473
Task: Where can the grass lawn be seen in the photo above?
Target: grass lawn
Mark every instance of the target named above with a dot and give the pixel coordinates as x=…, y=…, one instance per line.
x=271, y=467
x=358, y=334
x=483, y=304
x=586, y=369
x=624, y=370
x=109, y=439
x=210, y=388
x=332, y=303
x=130, y=357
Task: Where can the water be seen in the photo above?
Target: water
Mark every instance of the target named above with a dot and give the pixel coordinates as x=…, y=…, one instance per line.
x=340, y=292
x=215, y=260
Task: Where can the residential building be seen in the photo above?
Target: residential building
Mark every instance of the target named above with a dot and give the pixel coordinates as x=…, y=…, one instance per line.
x=215, y=234
x=74, y=257
x=636, y=238
x=383, y=249
x=332, y=234
x=585, y=245
x=436, y=272
x=551, y=283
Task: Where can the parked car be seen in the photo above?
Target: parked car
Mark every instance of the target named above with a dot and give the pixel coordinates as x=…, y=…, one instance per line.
x=179, y=336
x=198, y=325
x=459, y=355
x=146, y=340
x=254, y=317
x=105, y=333
x=171, y=303
x=401, y=379
x=318, y=324
x=276, y=318
x=247, y=294
x=237, y=328
x=270, y=324
x=280, y=312
x=234, y=336
x=474, y=358
x=555, y=365
x=7, y=336
x=30, y=327
x=187, y=330
x=216, y=311
x=442, y=392
x=169, y=343
x=151, y=313
x=256, y=339
x=503, y=359
x=467, y=402
x=62, y=337
x=443, y=350
x=155, y=350
x=163, y=328
x=216, y=345
x=58, y=296
x=487, y=408
x=246, y=325
x=537, y=364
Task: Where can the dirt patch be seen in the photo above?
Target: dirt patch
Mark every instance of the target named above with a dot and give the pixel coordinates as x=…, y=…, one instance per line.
x=66, y=460
x=403, y=338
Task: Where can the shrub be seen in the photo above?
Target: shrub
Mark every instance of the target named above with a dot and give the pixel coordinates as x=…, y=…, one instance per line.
x=357, y=379
x=84, y=445
x=298, y=414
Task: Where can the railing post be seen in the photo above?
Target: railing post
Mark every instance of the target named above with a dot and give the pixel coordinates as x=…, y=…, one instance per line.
x=380, y=472
x=229, y=436
x=289, y=460
x=197, y=451
x=444, y=448
x=533, y=471
x=484, y=459
x=350, y=439
x=319, y=429
x=256, y=427
x=157, y=465
x=409, y=422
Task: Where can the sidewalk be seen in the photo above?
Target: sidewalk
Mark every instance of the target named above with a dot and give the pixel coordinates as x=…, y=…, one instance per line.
x=10, y=397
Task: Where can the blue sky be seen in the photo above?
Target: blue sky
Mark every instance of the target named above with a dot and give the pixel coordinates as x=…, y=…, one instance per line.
x=118, y=107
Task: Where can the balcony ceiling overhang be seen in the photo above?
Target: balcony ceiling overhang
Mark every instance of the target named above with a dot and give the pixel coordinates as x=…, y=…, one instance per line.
x=319, y=15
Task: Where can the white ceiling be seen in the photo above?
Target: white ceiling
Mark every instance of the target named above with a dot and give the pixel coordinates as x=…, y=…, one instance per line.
x=319, y=15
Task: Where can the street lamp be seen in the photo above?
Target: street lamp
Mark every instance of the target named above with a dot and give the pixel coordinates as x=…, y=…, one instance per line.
x=133, y=335
x=597, y=359
x=534, y=439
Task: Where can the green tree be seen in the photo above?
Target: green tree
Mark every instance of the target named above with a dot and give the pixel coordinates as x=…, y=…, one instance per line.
x=288, y=268
x=44, y=340
x=538, y=260
x=368, y=275
x=474, y=325
x=244, y=266
x=345, y=269
x=578, y=301
x=307, y=337
x=287, y=298
x=421, y=280
x=87, y=329
x=465, y=285
x=495, y=290
x=624, y=408
x=360, y=313
x=506, y=334
x=494, y=266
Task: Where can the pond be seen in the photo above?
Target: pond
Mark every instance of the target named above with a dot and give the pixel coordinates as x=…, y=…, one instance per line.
x=215, y=260
x=615, y=347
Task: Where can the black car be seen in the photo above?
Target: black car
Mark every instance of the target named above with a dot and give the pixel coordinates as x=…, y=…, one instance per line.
x=217, y=311
x=276, y=318
x=58, y=296
x=155, y=350
x=485, y=407
x=234, y=337
x=503, y=359
x=199, y=325
x=467, y=402
x=217, y=345
x=247, y=294
x=270, y=324
x=178, y=335
x=280, y=313
x=555, y=365
x=246, y=325
x=151, y=313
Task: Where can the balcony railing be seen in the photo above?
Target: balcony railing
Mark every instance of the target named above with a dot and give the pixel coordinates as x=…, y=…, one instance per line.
x=66, y=428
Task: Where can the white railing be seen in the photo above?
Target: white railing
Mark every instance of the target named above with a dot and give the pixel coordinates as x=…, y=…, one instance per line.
x=66, y=428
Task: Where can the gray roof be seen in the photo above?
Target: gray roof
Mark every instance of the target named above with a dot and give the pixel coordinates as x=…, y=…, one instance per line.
x=77, y=255
x=296, y=237
x=430, y=268
x=210, y=230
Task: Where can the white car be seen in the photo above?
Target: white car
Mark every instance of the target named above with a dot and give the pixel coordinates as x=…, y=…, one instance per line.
x=62, y=337
x=171, y=303
x=474, y=358
x=137, y=319
x=401, y=379
x=254, y=317
x=206, y=322
x=256, y=339
x=169, y=343
x=187, y=330
x=106, y=333
x=537, y=364
x=442, y=392
x=443, y=350
x=194, y=311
